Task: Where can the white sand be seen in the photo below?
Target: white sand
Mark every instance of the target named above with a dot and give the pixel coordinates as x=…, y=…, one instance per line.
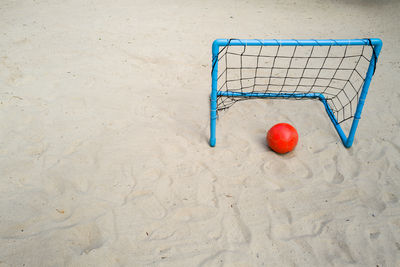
x=104, y=158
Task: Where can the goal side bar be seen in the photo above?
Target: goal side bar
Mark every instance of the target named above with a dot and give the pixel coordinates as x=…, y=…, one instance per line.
x=347, y=140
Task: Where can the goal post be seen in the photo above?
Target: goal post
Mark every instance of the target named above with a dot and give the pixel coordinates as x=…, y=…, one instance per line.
x=337, y=72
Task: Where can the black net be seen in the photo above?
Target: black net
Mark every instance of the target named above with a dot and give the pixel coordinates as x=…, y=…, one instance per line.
x=337, y=72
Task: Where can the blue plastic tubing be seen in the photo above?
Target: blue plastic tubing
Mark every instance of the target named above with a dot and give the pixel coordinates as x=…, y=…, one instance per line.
x=347, y=140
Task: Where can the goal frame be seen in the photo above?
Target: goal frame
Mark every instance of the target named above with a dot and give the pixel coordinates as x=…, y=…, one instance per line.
x=346, y=140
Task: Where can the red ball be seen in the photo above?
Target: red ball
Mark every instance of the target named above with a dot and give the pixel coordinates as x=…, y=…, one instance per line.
x=282, y=138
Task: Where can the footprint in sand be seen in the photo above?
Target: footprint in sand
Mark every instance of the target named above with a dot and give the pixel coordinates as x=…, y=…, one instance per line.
x=150, y=207
x=235, y=230
x=332, y=173
x=206, y=189
x=85, y=238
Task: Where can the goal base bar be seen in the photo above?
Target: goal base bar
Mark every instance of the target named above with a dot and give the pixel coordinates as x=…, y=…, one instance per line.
x=347, y=141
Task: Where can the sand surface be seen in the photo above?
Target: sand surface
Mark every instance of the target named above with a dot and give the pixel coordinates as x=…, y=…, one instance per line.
x=104, y=158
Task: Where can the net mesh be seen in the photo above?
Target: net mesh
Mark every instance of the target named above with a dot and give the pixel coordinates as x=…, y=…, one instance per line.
x=336, y=72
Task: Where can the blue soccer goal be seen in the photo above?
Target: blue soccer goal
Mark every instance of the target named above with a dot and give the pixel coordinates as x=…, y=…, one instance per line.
x=336, y=72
